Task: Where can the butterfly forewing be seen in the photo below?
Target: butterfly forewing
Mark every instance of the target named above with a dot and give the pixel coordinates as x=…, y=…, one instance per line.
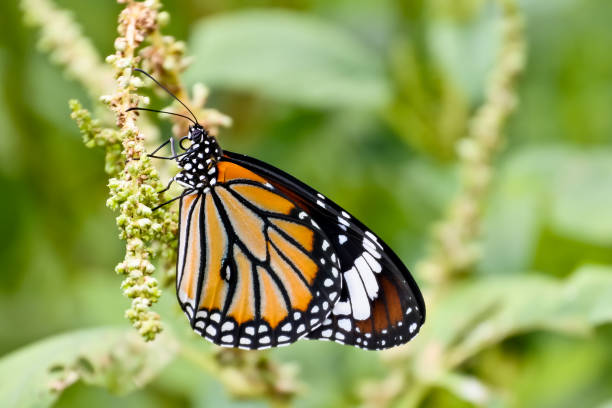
x=254, y=270
x=380, y=305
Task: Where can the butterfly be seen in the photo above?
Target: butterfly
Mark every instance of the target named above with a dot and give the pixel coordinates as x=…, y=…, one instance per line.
x=265, y=260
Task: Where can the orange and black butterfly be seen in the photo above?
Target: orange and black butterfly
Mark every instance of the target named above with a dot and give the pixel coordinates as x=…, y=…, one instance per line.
x=264, y=260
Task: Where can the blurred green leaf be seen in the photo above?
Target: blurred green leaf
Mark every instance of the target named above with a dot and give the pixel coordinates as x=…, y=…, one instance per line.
x=466, y=47
x=576, y=184
x=510, y=244
x=116, y=359
x=485, y=312
x=9, y=159
x=564, y=188
x=290, y=56
x=468, y=388
x=583, y=185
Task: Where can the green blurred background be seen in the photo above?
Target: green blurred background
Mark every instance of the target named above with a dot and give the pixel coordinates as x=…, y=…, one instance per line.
x=378, y=94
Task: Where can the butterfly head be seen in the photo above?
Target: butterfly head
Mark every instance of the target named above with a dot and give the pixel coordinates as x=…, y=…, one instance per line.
x=197, y=133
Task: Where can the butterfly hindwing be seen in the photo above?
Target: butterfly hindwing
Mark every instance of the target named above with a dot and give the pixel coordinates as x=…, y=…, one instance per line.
x=254, y=270
x=380, y=305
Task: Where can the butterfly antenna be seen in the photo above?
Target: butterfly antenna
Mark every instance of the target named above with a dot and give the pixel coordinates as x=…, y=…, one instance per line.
x=161, y=111
x=167, y=90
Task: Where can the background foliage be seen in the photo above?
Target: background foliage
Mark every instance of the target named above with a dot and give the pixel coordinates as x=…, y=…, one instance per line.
x=365, y=101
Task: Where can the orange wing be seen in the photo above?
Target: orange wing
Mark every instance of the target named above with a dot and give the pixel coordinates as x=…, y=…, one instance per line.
x=254, y=270
x=380, y=304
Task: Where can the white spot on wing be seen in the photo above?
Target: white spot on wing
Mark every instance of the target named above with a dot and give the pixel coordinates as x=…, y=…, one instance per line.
x=345, y=324
x=358, y=296
x=343, y=221
x=374, y=264
x=367, y=276
x=373, y=238
x=369, y=246
x=342, y=308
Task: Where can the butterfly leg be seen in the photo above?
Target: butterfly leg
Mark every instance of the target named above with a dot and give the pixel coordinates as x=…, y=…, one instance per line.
x=167, y=186
x=172, y=149
x=185, y=193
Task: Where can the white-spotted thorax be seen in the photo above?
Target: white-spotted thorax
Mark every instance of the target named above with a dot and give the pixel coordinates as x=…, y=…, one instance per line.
x=199, y=162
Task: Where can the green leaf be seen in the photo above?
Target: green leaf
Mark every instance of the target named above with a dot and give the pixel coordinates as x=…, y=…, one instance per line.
x=289, y=56
x=519, y=304
x=588, y=294
x=482, y=313
x=9, y=162
x=468, y=388
x=466, y=48
x=565, y=189
x=116, y=359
